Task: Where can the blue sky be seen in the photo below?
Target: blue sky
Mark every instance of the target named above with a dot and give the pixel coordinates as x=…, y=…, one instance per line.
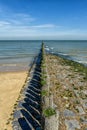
x=43, y=19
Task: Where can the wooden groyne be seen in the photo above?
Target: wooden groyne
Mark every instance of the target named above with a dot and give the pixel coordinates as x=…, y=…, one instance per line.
x=28, y=114
x=36, y=110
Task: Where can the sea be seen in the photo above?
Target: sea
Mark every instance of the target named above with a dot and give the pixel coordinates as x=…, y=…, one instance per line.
x=18, y=55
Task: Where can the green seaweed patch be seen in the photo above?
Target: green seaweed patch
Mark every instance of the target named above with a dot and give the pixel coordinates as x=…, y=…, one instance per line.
x=44, y=72
x=49, y=112
x=44, y=92
x=43, y=76
x=77, y=67
x=43, y=82
x=43, y=66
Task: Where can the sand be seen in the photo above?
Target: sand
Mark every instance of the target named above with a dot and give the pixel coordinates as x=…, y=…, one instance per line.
x=10, y=85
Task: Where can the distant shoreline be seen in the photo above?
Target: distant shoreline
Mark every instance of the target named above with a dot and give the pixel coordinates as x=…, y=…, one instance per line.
x=39, y=40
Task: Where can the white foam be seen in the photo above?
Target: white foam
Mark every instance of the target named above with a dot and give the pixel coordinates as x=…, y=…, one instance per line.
x=47, y=49
x=9, y=65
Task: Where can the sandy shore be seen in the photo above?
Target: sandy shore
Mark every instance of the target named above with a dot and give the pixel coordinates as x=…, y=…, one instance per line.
x=10, y=85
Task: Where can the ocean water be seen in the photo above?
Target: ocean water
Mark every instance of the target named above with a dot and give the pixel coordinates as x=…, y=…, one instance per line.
x=18, y=55
x=74, y=50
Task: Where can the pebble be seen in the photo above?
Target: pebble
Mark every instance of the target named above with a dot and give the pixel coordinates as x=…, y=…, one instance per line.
x=85, y=92
x=83, y=120
x=65, y=97
x=17, y=114
x=67, y=105
x=80, y=109
x=76, y=93
x=16, y=125
x=72, y=124
x=68, y=113
x=84, y=103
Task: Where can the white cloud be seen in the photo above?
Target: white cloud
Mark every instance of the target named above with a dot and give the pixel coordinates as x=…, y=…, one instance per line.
x=20, y=18
x=39, y=32
x=25, y=17
x=16, y=18
x=44, y=26
x=9, y=29
x=21, y=24
x=44, y=31
x=4, y=23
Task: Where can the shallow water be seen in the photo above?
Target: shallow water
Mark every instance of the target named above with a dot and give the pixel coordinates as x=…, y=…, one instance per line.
x=75, y=50
x=18, y=55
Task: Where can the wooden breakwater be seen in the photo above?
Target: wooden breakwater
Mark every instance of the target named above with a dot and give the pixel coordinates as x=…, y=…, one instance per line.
x=28, y=113
x=36, y=109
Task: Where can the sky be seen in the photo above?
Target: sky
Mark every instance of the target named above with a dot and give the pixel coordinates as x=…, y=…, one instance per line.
x=43, y=19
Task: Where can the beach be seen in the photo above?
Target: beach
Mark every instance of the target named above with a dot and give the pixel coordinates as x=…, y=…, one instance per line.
x=65, y=89
x=11, y=84
x=64, y=93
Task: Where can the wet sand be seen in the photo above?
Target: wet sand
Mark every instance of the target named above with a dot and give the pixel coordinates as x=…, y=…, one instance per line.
x=11, y=84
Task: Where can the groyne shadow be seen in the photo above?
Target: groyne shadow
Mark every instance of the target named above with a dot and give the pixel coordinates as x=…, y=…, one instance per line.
x=30, y=117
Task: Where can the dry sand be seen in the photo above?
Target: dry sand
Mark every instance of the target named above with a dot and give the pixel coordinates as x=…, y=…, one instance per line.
x=10, y=85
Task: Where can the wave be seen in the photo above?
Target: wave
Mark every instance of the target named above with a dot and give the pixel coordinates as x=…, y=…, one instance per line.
x=18, y=56
x=76, y=58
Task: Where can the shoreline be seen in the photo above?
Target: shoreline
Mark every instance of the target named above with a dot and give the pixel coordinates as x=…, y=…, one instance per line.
x=65, y=55
x=14, y=67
